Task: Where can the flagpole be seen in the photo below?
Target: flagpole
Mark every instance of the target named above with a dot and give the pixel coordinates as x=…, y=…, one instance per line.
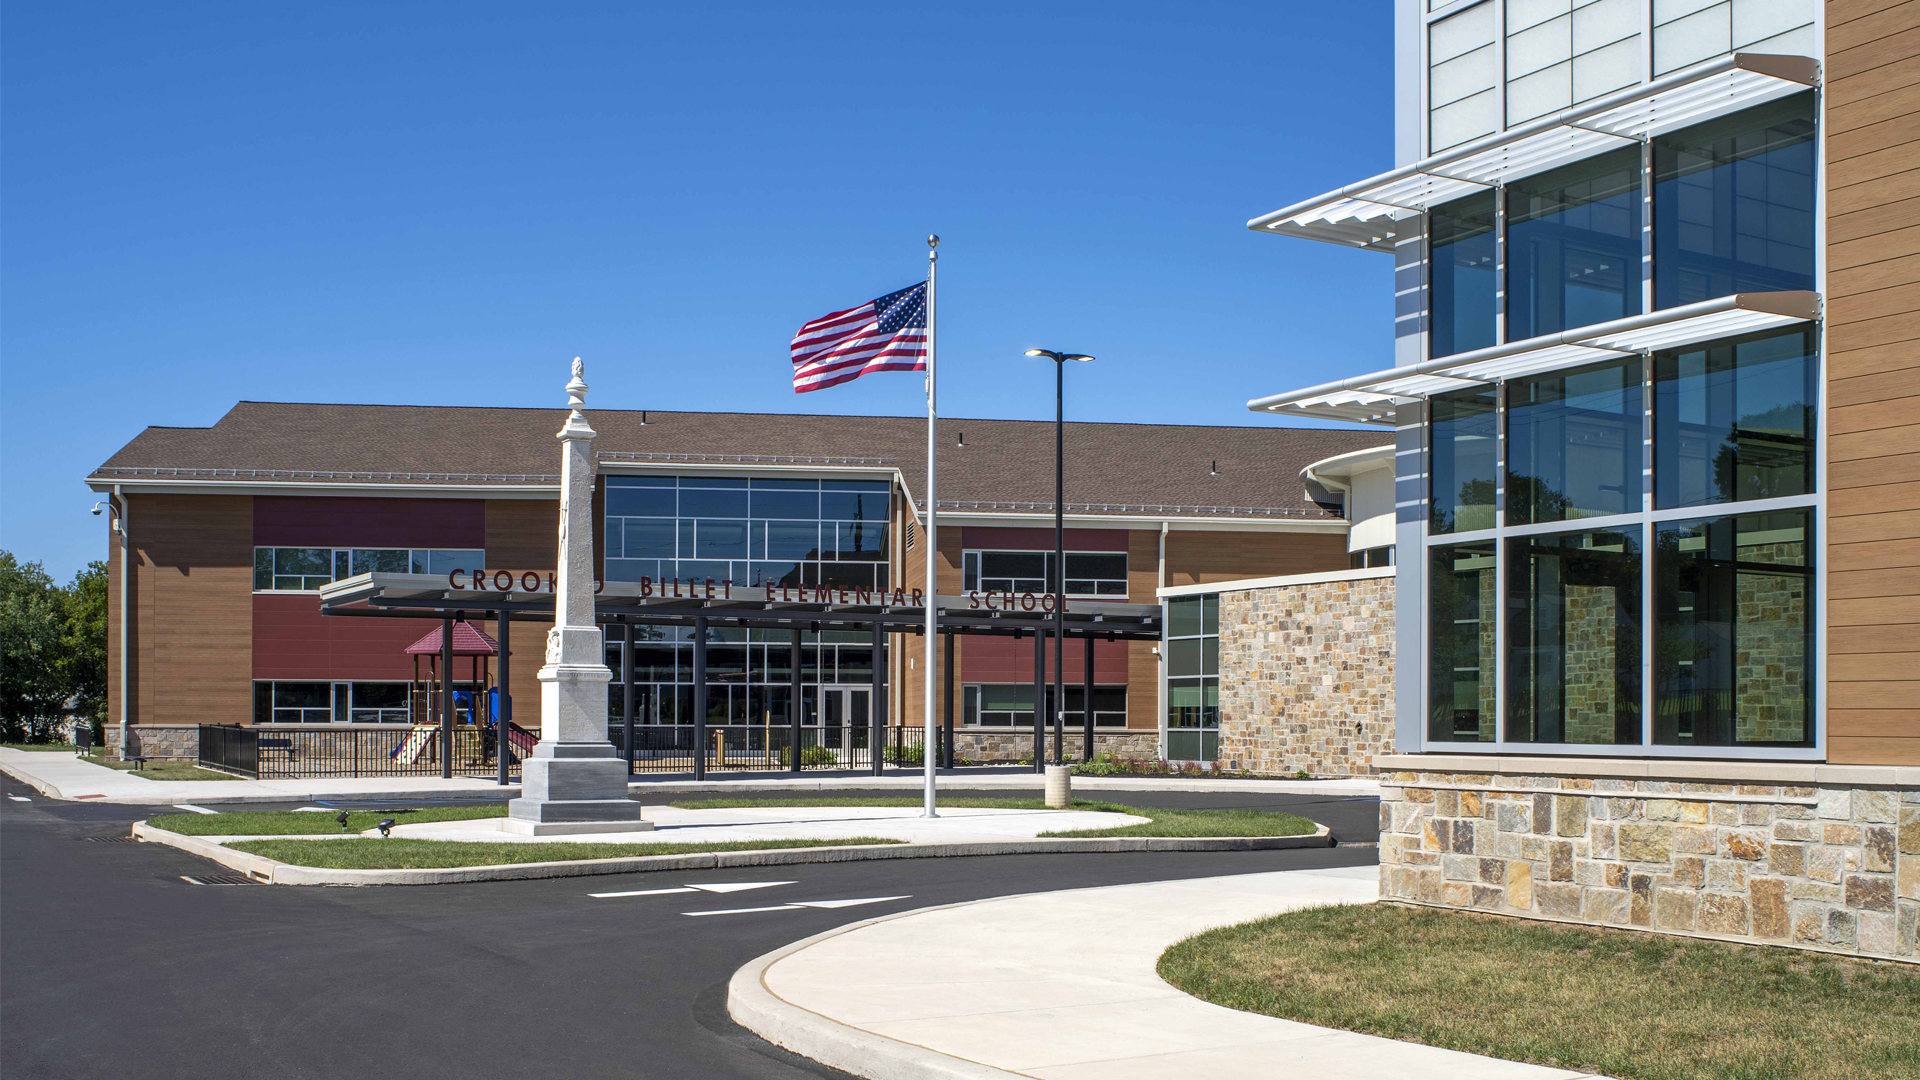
x=931, y=541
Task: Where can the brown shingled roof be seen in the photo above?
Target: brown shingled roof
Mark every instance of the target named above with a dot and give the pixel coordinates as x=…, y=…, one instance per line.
x=1005, y=465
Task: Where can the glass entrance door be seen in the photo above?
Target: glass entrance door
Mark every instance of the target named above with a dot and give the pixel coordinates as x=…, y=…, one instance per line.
x=844, y=716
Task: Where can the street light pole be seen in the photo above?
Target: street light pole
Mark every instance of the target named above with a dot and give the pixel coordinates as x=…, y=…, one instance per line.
x=1059, y=549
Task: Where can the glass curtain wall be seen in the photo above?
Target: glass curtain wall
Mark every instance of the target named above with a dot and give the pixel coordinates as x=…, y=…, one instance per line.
x=1466, y=455
x=1733, y=609
x=1573, y=638
x=748, y=678
x=1193, y=678
x=1735, y=420
x=1462, y=643
x=748, y=531
x=1733, y=204
x=1463, y=258
x=1573, y=245
x=1573, y=444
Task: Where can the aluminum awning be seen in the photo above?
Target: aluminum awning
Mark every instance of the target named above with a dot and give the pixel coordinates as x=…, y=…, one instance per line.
x=1371, y=399
x=1369, y=214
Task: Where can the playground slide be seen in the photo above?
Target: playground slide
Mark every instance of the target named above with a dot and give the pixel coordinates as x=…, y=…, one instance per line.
x=418, y=742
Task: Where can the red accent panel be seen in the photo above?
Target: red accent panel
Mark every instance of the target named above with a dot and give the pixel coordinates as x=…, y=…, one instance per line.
x=292, y=640
x=993, y=538
x=1007, y=660
x=301, y=521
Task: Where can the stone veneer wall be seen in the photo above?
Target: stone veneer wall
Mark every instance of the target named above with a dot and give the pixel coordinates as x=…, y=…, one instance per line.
x=158, y=742
x=1832, y=866
x=1306, y=677
x=1016, y=744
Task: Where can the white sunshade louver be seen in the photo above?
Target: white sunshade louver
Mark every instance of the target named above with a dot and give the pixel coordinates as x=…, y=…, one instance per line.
x=1367, y=214
x=1371, y=398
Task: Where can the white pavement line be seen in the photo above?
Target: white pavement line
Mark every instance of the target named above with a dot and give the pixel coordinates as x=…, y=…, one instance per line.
x=847, y=903
x=19, y=798
x=638, y=892
x=195, y=809
x=742, y=910
x=310, y=809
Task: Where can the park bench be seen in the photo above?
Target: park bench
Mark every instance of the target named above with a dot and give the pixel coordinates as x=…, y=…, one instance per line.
x=281, y=744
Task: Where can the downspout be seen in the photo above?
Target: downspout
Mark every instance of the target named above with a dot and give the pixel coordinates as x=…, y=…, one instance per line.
x=126, y=572
x=1160, y=653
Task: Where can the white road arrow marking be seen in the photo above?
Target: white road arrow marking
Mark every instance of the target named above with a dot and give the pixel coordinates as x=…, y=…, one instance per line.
x=797, y=905
x=735, y=886
x=19, y=798
x=712, y=886
x=195, y=809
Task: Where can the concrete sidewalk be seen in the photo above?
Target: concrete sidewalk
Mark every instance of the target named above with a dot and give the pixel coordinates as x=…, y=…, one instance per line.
x=1062, y=986
x=63, y=776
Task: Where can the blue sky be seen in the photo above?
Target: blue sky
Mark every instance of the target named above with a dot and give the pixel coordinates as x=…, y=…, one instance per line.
x=443, y=204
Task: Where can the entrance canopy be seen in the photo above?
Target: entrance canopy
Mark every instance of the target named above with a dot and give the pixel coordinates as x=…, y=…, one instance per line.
x=1006, y=614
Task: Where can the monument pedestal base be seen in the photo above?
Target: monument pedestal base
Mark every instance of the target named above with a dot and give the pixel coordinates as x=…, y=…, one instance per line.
x=573, y=788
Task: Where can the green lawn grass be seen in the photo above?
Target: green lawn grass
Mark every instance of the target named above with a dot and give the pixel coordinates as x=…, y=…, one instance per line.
x=162, y=770
x=1161, y=821
x=289, y=822
x=1630, y=1005
x=372, y=853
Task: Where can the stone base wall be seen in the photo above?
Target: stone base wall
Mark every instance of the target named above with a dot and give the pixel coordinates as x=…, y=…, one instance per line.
x=1831, y=867
x=158, y=742
x=1010, y=744
x=1306, y=677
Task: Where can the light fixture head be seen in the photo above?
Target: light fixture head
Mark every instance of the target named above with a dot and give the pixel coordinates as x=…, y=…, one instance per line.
x=1038, y=352
x=386, y=826
x=96, y=509
x=1076, y=356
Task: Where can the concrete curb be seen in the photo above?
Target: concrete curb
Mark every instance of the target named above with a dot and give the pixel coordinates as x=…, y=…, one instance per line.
x=34, y=782
x=273, y=872
x=837, y=1045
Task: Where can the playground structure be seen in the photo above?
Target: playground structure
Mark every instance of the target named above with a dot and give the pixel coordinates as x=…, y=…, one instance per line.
x=475, y=738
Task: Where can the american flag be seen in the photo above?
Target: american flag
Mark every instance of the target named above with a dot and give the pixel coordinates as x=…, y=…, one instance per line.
x=888, y=334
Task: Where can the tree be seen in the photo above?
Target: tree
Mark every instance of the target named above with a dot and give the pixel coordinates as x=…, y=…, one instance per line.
x=84, y=645
x=33, y=691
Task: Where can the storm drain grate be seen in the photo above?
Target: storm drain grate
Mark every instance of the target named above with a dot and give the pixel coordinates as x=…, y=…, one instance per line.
x=216, y=879
x=110, y=839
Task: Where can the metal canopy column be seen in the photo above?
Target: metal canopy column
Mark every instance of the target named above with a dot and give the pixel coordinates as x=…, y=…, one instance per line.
x=794, y=689
x=446, y=695
x=700, y=697
x=877, y=711
x=946, y=751
x=1086, y=695
x=1039, y=700
x=626, y=692
x=503, y=722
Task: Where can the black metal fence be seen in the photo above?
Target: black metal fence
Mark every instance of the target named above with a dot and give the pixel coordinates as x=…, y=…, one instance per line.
x=281, y=752
x=665, y=749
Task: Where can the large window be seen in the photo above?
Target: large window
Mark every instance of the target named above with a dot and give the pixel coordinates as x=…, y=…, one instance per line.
x=1573, y=444
x=1573, y=638
x=1461, y=644
x=1734, y=648
x=1735, y=420
x=1090, y=574
x=1461, y=234
x=295, y=702
x=302, y=569
x=748, y=673
x=1466, y=452
x=1010, y=705
x=1573, y=245
x=1733, y=204
x=1193, y=678
x=748, y=531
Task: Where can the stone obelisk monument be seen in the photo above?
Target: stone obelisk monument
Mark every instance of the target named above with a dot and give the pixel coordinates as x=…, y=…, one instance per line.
x=573, y=782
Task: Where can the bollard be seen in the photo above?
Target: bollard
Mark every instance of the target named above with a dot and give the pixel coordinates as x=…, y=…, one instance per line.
x=1059, y=786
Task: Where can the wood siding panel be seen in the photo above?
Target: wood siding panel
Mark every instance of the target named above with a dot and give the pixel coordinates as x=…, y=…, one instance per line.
x=1197, y=558
x=524, y=534
x=194, y=584
x=1881, y=218
x=1873, y=393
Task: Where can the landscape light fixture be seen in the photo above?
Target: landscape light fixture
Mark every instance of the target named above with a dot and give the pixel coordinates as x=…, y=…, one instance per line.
x=1059, y=583
x=386, y=826
x=342, y=819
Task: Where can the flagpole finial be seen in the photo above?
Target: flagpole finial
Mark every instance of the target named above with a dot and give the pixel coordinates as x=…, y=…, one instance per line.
x=933, y=241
